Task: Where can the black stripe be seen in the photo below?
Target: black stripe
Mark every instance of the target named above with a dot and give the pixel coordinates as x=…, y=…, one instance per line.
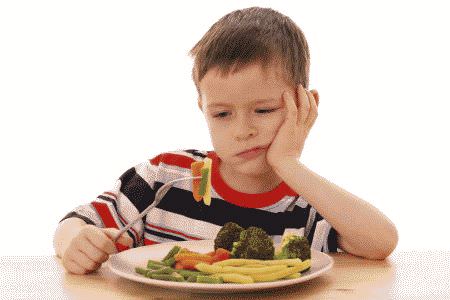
x=136, y=189
x=164, y=235
x=195, y=153
x=219, y=212
x=114, y=203
x=77, y=215
x=332, y=240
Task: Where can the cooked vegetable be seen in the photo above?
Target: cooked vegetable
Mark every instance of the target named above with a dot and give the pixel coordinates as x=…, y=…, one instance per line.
x=227, y=235
x=234, y=278
x=141, y=271
x=170, y=277
x=169, y=262
x=172, y=252
x=207, y=196
x=211, y=269
x=246, y=262
x=254, y=243
x=163, y=270
x=276, y=275
x=189, y=264
x=208, y=279
x=193, y=256
x=154, y=264
x=221, y=254
x=196, y=171
x=204, y=181
x=293, y=246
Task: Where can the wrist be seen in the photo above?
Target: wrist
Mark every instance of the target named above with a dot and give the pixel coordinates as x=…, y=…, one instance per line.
x=285, y=167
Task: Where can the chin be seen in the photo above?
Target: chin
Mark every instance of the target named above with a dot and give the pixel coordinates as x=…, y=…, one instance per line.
x=257, y=166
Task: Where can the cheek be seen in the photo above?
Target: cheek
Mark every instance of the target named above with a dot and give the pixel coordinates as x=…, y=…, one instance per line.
x=274, y=125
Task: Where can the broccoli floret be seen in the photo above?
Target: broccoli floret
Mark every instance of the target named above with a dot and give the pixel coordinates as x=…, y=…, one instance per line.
x=253, y=243
x=294, y=246
x=229, y=233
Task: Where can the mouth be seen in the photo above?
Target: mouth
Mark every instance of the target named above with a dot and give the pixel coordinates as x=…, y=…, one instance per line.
x=252, y=153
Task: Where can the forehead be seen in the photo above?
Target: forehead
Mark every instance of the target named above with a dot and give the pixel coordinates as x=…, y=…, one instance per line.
x=249, y=84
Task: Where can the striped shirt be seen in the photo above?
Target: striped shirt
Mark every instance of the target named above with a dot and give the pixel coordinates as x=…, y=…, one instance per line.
x=178, y=217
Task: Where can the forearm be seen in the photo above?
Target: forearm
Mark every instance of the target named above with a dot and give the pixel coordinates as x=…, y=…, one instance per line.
x=66, y=230
x=369, y=233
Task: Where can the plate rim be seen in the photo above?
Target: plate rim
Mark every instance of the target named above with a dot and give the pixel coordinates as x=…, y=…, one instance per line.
x=213, y=288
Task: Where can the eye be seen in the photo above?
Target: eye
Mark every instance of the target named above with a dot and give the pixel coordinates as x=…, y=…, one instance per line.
x=266, y=111
x=221, y=115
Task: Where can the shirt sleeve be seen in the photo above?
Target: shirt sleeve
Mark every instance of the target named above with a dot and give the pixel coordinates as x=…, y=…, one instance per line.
x=115, y=208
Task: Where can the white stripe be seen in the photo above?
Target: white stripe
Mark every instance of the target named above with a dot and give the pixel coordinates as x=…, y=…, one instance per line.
x=156, y=238
x=129, y=212
x=192, y=227
x=320, y=235
x=167, y=232
x=89, y=212
x=301, y=202
x=279, y=206
x=148, y=172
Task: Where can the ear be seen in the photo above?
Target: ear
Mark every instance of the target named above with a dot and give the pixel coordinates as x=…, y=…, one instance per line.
x=199, y=103
x=316, y=96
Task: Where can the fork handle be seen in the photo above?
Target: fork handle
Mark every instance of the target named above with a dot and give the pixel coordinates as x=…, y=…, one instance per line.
x=145, y=211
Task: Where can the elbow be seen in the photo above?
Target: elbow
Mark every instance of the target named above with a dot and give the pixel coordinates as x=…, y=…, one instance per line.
x=387, y=246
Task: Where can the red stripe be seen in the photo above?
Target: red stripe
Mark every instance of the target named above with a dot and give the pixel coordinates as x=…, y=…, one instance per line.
x=121, y=218
x=132, y=229
x=107, y=218
x=245, y=199
x=173, y=231
x=150, y=242
x=173, y=159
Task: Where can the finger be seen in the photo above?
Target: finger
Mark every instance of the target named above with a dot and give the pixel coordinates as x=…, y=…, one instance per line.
x=94, y=253
x=316, y=96
x=84, y=261
x=100, y=240
x=124, y=238
x=291, y=113
x=304, y=105
x=74, y=268
x=313, y=109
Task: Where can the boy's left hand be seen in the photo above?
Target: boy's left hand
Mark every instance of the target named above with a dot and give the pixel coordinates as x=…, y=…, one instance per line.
x=301, y=114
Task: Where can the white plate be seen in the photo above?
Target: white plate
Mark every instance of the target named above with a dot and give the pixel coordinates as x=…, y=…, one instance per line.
x=124, y=263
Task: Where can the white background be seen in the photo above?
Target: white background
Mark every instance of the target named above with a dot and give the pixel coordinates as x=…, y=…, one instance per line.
x=85, y=85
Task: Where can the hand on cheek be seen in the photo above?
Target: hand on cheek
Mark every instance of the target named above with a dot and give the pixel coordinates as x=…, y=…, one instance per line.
x=300, y=115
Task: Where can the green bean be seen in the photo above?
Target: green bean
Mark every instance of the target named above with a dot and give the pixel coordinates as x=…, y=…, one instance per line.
x=154, y=264
x=172, y=252
x=204, y=181
x=187, y=273
x=169, y=262
x=169, y=277
x=163, y=270
x=208, y=279
x=141, y=271
x=192, y=278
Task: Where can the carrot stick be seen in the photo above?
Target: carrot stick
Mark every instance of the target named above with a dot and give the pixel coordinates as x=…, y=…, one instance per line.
x=196, y=168
x=189, y=264
x=193, y=256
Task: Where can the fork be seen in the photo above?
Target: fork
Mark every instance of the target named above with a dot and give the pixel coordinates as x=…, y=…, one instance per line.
x=158, y=197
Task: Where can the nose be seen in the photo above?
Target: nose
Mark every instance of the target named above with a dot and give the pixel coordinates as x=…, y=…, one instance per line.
x=244, y=128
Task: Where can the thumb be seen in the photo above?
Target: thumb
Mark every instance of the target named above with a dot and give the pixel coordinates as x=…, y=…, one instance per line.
x=124, y=239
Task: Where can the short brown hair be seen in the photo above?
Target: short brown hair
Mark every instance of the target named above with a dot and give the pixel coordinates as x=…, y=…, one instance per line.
x=252, y=35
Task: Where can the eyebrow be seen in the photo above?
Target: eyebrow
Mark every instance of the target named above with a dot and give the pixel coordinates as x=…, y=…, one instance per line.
x=228, y=104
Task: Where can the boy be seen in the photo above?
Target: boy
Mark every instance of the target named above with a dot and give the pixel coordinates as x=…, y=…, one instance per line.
x=251, y=72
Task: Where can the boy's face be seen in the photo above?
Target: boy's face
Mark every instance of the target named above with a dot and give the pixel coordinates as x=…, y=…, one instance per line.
x=243, y=110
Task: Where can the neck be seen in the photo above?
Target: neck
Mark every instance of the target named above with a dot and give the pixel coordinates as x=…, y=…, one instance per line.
x=249, y=184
